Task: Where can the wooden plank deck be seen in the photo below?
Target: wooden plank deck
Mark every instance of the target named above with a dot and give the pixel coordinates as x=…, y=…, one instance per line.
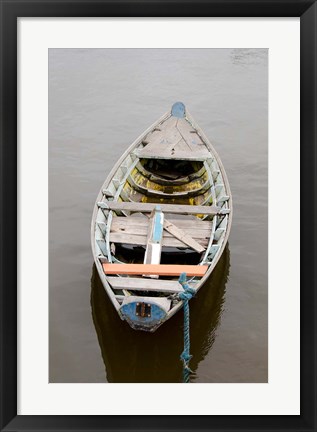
x=177, y=232
x=190, y=136
x=165, y=136
x=176, y=139
x=159, y=269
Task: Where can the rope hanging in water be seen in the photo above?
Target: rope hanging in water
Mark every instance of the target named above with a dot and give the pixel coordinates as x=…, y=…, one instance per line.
x=186, y=296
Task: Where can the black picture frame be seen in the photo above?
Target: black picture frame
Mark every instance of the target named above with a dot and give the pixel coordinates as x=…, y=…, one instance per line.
x=10, y=11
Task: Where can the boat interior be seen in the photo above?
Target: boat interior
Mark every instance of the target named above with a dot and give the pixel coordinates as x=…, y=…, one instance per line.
x=164, y=181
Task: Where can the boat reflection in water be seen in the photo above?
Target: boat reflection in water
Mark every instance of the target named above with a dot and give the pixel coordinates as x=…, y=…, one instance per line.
x=140, y=357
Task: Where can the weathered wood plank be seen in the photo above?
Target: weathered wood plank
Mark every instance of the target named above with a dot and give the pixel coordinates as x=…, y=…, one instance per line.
x=166, y=208
x=121, y=222
x=142, y=230
x=182, y=146
x=199, y=155
x=177, y=137
x=182, y=236
x=141, y=284
x=141, y=240
x=160, y=269
x=190, y=135
x=166, y=137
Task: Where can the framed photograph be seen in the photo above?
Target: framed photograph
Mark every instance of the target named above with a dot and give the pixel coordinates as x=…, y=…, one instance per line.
x=237, y=83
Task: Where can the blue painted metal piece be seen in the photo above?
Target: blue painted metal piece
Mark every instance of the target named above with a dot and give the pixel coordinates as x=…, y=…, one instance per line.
x=158, y=225
x=178, y=110
x=128, y=312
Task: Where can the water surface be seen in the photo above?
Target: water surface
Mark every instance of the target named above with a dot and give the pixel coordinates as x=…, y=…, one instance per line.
x=100, y=100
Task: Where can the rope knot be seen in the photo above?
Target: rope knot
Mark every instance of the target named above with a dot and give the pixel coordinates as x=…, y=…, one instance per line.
x=188, y=291
x=185, y=356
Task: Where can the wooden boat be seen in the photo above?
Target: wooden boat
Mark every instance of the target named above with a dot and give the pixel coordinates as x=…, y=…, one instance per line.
x=165, y=209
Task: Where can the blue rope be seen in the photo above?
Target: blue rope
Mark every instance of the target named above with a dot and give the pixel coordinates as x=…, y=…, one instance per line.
x=186, y=296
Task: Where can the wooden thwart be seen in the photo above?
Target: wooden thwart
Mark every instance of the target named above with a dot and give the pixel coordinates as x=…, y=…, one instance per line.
x=159, y=269
x=179, y=155
x=139, y=284
x=166, y=208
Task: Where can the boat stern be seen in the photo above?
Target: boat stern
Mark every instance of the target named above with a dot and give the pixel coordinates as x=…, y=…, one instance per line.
x=144, y=313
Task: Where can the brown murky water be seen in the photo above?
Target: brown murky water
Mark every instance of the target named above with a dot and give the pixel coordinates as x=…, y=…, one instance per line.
x=99, y=102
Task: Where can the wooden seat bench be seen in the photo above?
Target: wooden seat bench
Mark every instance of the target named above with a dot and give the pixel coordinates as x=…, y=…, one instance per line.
x=145, y=284
x=166, y=208
x=157, y=269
